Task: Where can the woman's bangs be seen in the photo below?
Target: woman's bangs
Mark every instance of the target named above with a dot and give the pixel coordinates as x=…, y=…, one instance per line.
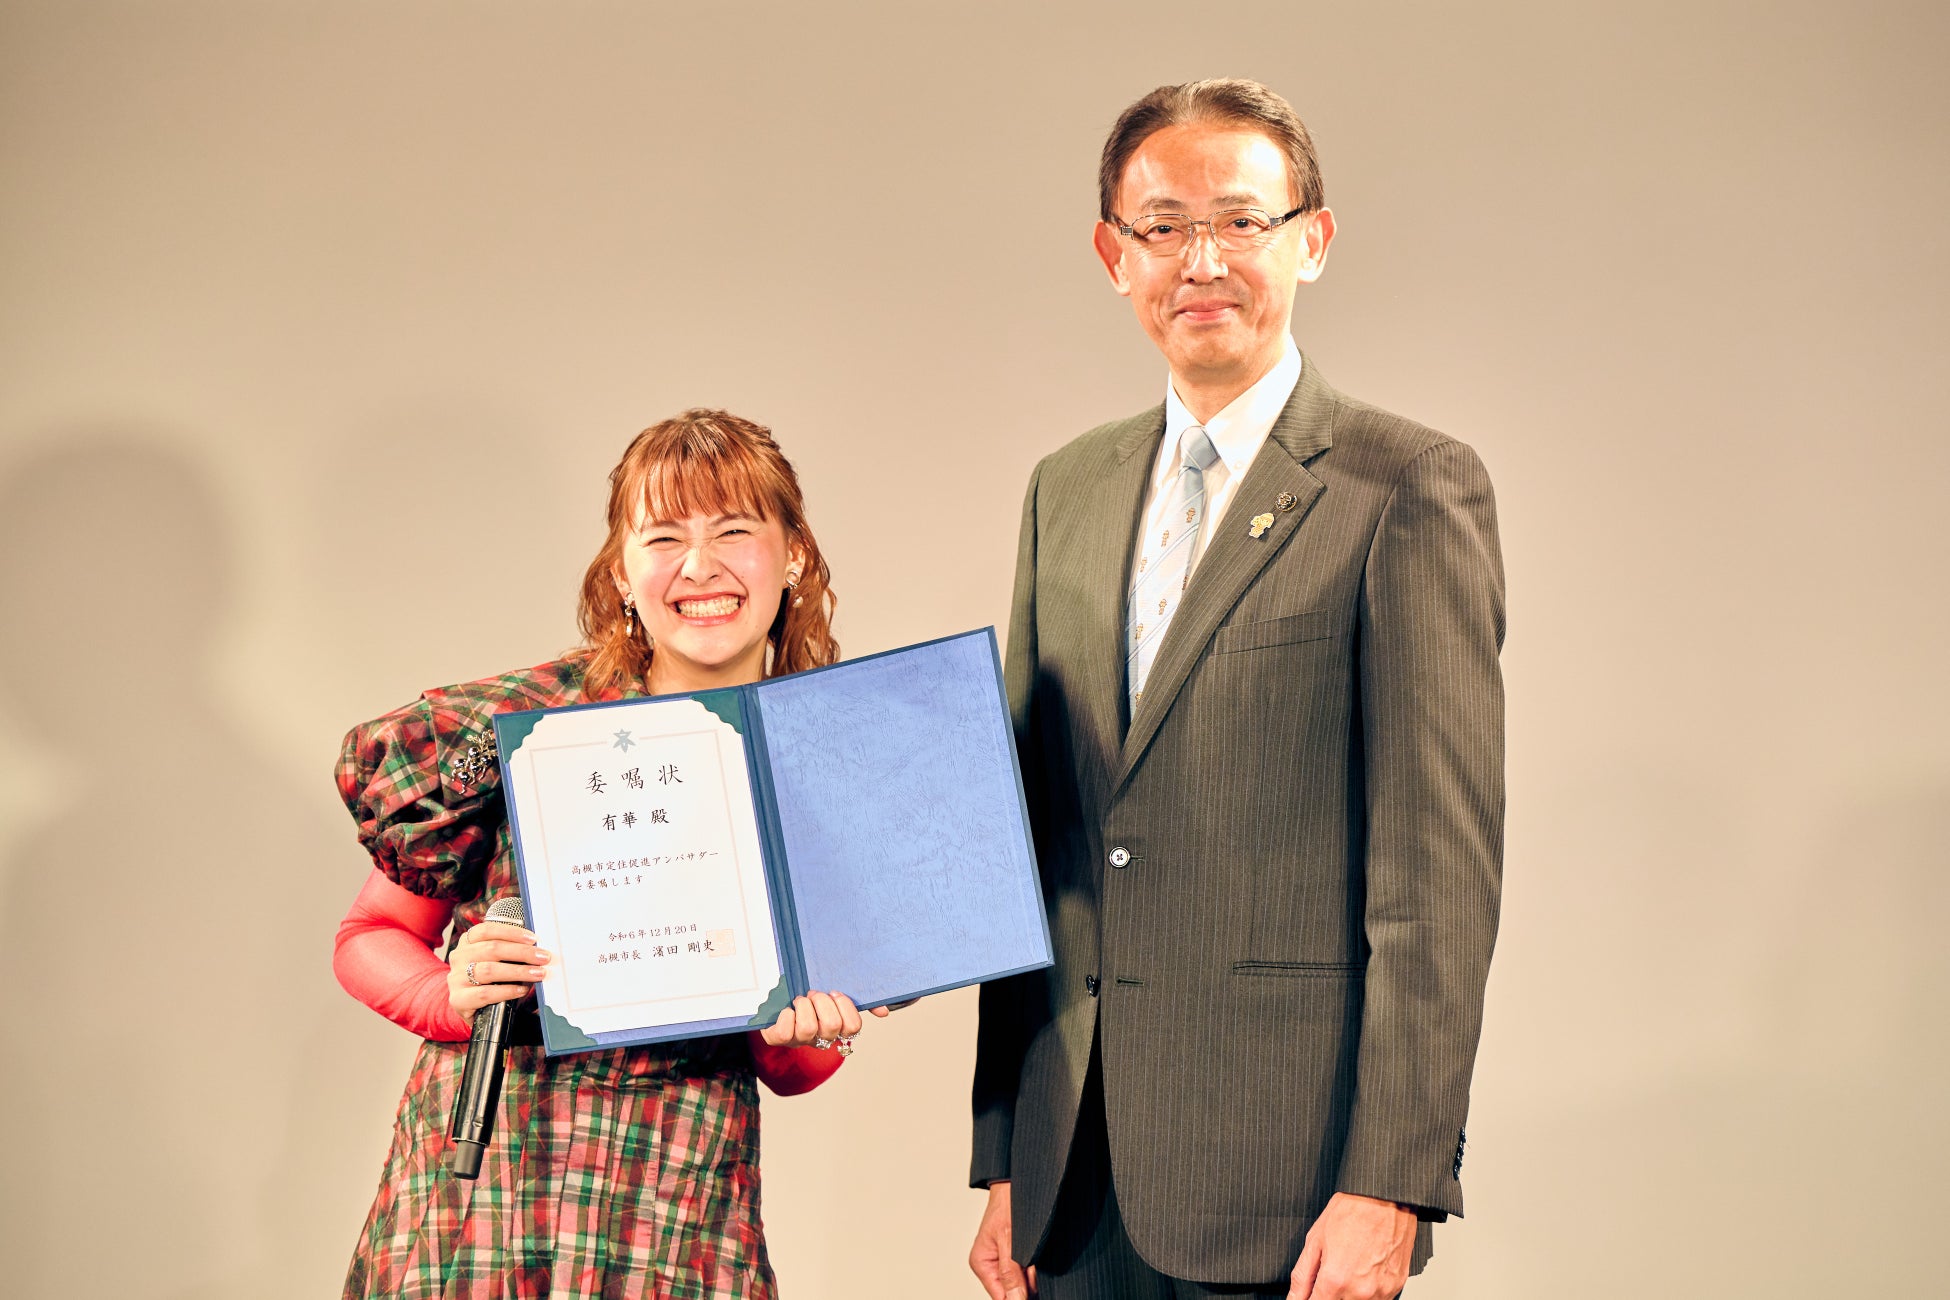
x=709, y=481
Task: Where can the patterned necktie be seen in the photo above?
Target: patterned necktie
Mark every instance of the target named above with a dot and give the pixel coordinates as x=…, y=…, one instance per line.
x=1164, y=563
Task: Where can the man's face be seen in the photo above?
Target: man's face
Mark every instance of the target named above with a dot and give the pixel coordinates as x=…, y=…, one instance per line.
x=1219, y=316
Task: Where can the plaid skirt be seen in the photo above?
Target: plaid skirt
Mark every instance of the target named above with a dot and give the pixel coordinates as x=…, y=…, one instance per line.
x=610, y=1175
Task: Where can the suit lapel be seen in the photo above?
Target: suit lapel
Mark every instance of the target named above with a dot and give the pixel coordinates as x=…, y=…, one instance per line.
x=1105, y=573
x=1234, y=558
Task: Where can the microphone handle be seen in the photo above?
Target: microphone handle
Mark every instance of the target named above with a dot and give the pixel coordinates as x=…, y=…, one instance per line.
x=480, y=1089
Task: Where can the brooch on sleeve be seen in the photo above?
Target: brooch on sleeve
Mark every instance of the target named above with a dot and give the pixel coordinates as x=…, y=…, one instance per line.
x=475, y=764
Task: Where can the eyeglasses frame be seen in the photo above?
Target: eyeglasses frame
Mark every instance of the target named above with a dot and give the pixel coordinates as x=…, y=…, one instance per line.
x=1273, y=223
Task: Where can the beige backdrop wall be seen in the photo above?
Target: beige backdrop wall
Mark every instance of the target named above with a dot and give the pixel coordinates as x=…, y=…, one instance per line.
x=322, y=324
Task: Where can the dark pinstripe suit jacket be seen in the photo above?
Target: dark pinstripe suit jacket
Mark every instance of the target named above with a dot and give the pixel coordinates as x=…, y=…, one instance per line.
x=1285, y=963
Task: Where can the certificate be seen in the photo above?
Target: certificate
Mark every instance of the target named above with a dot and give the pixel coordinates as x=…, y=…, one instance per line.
x=696, y=861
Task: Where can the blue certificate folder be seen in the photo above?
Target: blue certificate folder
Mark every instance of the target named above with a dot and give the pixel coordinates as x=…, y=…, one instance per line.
x=868, y=835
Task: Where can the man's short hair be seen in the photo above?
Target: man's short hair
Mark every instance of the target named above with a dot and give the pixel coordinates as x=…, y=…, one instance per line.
x=1232, y=100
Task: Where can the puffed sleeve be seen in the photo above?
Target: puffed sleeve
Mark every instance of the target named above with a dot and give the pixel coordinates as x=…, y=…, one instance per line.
x=424, y=790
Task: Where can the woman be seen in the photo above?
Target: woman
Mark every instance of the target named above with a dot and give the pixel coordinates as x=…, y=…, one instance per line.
x=631, y=1172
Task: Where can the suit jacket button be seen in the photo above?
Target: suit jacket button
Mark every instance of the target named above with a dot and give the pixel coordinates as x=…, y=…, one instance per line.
x=1120, y=857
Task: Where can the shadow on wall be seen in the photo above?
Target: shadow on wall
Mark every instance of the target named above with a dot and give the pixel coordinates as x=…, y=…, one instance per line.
x=162, y=917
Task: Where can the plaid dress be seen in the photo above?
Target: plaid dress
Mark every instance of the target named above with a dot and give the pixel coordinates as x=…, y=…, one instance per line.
x=611, y=1174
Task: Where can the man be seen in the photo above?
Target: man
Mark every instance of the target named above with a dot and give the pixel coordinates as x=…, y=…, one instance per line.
x=1253, y=662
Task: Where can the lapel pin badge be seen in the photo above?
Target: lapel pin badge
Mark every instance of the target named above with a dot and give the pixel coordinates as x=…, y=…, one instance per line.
x=1260, y=524
x=1288, y=501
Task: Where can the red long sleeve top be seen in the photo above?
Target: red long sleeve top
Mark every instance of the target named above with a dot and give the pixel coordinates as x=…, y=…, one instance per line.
x=384, y=956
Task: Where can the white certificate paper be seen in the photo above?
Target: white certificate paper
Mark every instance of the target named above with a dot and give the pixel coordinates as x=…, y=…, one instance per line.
x=644, y=874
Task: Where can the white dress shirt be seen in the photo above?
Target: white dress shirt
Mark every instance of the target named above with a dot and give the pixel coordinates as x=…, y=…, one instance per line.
x=1238, y=432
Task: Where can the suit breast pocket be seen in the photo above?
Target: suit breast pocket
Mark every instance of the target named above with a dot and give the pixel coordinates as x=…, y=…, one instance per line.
x=1314, y=625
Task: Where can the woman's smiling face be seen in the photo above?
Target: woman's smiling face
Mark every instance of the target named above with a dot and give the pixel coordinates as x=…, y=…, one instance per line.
x=707, y=589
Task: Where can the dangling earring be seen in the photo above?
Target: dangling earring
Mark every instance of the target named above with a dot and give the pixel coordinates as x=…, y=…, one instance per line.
x=629, y=616
x=791, y=581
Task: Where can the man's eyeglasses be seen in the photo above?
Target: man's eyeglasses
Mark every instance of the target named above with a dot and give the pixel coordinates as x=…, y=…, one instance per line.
x=1236, y=230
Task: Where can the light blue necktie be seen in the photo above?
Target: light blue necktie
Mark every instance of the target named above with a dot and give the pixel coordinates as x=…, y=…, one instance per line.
x=1164, y=560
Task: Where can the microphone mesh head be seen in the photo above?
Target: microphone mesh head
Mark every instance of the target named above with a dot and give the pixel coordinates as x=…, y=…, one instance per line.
x=507, y=908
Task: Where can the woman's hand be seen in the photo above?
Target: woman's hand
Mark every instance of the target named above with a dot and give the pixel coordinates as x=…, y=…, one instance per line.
x=505, y=964
x=816, y=1019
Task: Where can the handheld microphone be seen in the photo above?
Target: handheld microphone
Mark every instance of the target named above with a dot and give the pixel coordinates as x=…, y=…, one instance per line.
x=487, y=1057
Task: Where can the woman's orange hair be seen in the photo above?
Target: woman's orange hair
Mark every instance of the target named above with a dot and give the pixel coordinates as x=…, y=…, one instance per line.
x=710, y=463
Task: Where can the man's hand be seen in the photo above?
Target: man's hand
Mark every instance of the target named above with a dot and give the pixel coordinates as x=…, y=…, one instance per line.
x=999, y=1274
x=1358, y=1249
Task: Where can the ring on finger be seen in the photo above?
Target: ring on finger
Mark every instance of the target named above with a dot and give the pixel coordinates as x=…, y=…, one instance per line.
x=846, y=1044
x=822, y=1043
x=470, y=975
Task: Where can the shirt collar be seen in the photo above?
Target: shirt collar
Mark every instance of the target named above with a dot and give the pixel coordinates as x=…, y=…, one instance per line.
x=1239, y=430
